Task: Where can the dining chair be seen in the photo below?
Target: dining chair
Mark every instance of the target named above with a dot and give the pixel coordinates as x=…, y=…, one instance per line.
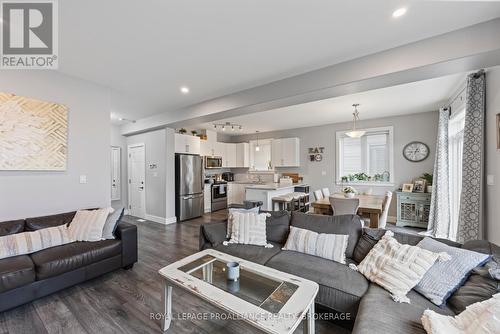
x=385, y=210
x=326, y=192
x=344, y=206
x=318, y=195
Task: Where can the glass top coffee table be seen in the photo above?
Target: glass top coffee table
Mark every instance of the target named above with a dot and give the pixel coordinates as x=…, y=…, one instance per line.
x=268, y=299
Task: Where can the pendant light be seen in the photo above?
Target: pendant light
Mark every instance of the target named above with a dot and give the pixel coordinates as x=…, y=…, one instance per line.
x=257, y=147
x=354, y=133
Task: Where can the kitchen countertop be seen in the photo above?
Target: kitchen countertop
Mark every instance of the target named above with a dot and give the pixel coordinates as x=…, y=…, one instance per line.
x=272, y=186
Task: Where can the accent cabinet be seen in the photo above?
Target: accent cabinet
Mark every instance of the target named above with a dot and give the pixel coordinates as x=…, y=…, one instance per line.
x=413, y=209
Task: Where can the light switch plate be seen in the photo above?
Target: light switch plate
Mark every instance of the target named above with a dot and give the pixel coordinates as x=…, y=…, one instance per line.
x=83, y=179
x=490, y=180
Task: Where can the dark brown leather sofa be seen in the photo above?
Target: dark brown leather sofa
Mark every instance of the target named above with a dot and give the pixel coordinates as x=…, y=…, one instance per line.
x=27, y=277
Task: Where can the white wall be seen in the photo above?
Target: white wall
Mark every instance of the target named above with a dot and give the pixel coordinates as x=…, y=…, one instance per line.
x=492, y=155
x=33, y=193
x=407, y=128
x=160, y=182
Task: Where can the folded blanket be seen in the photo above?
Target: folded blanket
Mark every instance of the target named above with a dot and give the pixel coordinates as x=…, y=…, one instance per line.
x=30, y=242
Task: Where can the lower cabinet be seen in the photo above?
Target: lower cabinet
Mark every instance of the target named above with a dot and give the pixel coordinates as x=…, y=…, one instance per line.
x=207, y=194
x=235, y=193
x=413, y=209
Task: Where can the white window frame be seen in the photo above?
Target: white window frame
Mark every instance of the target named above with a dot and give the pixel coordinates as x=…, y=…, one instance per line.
x=338, y=167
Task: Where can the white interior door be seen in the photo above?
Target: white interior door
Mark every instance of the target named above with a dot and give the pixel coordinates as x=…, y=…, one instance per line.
x=136, y=180
x=115, y=173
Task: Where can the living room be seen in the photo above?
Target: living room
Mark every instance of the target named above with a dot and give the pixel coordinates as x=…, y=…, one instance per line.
x=250, y=180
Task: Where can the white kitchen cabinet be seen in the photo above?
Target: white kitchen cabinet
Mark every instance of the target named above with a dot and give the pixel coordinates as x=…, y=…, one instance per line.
x=229, y=158
x=219, y=150
x=187, y=144
x=286, y=152
x=235, y=193
x=242, y=157
x=207, y=194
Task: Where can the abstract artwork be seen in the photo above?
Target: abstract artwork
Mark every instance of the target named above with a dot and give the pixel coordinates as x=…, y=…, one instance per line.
x=33, y=134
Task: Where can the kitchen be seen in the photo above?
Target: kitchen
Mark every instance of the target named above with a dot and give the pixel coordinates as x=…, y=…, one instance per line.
x=239, y=172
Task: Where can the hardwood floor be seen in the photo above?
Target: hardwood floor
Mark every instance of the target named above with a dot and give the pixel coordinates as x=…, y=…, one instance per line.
x=123, y=301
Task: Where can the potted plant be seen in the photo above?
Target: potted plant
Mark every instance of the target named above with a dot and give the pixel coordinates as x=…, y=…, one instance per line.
x=428, y=178
x=194, y=132
x=182, y=131
x=349, y=192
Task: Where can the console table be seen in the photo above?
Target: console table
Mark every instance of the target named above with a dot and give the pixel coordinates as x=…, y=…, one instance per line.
x=413, y=209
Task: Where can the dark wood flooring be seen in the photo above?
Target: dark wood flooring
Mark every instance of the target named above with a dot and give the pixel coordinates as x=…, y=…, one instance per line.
x=123, y=301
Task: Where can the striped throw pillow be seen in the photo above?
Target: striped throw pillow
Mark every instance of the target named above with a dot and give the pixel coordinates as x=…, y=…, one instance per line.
x=249, y=229
x=87, y=225
x=30, y=242
x=328, y=246
x=397, y=267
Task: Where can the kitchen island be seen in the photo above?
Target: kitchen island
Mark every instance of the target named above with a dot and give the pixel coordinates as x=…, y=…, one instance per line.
x=266, y=191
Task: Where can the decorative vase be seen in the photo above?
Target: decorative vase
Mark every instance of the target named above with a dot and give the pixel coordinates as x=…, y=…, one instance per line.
x=233, y=271
x=349, y=195
x=429, y=189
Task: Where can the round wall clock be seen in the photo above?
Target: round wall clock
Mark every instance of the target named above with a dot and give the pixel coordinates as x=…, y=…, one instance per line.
x=318, y=157
x=416, y=151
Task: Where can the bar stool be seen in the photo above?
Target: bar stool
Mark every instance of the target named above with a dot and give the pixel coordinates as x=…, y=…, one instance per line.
x=285, y=202
x=299, y=201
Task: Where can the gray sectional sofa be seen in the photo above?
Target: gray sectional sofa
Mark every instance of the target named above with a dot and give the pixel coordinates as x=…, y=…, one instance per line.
x=342, y=289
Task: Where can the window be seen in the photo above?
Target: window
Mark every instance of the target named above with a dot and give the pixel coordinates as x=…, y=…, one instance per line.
x=368, y=159
x=455, y=151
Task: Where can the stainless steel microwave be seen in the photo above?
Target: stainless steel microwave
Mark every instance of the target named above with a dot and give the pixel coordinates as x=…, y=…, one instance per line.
x=213, y=162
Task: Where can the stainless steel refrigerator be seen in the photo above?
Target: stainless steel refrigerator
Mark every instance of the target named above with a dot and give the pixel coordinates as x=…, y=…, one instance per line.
x=189, y=202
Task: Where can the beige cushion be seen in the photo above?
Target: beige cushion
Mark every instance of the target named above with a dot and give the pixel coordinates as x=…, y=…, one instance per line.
x=30, y=242
x=87, y=225
x=327, y=246
x=478, y=318
x=396, y=267
x=249, y=229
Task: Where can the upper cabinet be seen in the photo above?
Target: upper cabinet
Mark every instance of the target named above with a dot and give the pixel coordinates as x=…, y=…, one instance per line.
x=212, y=148
x=242, y=155
x=229, y=158
x=187, y=144
x=286, y=152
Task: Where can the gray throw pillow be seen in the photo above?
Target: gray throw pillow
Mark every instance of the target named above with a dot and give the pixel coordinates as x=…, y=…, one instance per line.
x=368, y=239
x=278, y=226
x=483, y=283
x=445, y=277
x=108, y=232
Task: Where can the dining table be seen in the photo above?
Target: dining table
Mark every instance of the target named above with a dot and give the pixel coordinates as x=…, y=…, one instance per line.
x=369, y=205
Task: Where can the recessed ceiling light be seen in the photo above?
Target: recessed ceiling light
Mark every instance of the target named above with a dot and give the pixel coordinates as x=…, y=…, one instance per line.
x=184, y=90
x=399, y=12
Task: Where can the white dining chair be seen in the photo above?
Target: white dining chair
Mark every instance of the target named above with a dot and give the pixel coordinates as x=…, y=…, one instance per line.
x=382, y=222
x=318, y=195
x=326, y=192
x=344, y=206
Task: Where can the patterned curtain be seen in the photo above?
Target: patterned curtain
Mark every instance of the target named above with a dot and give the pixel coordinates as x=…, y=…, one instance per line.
x=471, y=202
x=439, y=216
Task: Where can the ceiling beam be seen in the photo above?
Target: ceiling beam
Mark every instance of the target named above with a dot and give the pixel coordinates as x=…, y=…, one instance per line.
x=467, y=49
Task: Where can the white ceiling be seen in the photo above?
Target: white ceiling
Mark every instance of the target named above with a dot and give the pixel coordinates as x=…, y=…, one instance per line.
x=416, y=97
x=147, y=49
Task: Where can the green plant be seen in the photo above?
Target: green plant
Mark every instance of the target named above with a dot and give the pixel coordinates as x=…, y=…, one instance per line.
x=348, y=190
x=427, y=177
x=182, y=130
x=194, y=132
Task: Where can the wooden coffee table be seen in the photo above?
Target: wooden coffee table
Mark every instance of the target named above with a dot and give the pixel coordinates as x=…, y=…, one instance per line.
x=267, y=299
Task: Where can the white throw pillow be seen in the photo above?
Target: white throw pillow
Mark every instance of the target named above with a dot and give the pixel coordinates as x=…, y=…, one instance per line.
x=397, y=267
x=478, y=318
x=249, y=229
x=30, y=242
x=230, y=219
x=87, y=225
x=327, y=246
x=108, y=231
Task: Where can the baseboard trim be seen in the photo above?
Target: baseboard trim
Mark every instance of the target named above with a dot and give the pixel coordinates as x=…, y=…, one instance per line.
x=161, y=220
